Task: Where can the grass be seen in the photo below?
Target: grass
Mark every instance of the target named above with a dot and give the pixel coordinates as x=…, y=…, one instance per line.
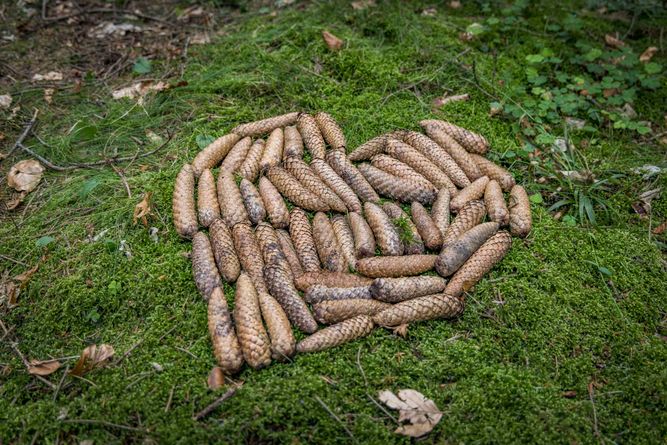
x=569, y=309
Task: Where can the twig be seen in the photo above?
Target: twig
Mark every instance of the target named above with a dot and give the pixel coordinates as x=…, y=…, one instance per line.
x=123, y=180
x=104, y=423
x=363, y=374
x=595, y=414
x=8, y=258
x=60, y=383
x=171, y=396
x=219, y=401
x=382, y=408
x=187, y=352
x=332, y=414
x=139, y=343
x=103, y=11
x=24, y=134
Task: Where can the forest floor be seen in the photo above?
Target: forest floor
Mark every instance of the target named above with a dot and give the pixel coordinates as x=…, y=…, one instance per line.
x=564, y=342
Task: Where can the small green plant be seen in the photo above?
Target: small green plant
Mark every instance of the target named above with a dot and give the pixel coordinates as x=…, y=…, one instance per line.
x=404, y=230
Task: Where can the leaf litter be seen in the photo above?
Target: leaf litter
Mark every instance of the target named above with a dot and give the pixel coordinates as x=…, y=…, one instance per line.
x=420, y=413
x=92, y=357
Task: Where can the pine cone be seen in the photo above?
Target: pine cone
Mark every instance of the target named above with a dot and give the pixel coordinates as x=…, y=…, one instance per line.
x=273, y=150
x=183, y=203
x=266, y=125
x=213, y=153
x=274, y=204
x=207, y=199
x=235, y=157
x=385, y=233
x=468, y=217
x=204, y=269
x=396, y=187
x=455, y=254
x=267, y=239
x=368, y=149
x=282, y=289
x=309, y=179
x=226, y=347
x=293, y=190
x=249, y=169
x=249, y=254
x=252, y=201
x=283, y=343
x=318, y=293
x=495, y=203
x=420, y=309
x=336, y=183
x=440, y=211
x=473, y=192
x=337, y=334
x=429, y=232
x=332, y=133
x=293, y=143
x=222, y=245
x=395, y=266
x=458, y=153
x=410, y=239
x=398, y=168
x=335, y=311
x=494, y=171
x=521, y=220
x=345, y=240
x=231, y=203
x=327, y=245
x=341, y=165
x=330, y=279
x=302, y=236
x=290, y=253
x=312, y=138
x=395, y=290
x=473, y=142
x=364, y=241
x=249, y=328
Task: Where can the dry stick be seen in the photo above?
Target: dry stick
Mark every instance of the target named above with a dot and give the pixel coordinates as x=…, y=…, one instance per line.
x=8, y=258
x=171, y=396
x=332, y=414
x=60, y=383
x=26, y=130
x=595, y=413
x=209, y=409
x=140, y=342
x=123, y=180
x=101, y=11
x=104, y=423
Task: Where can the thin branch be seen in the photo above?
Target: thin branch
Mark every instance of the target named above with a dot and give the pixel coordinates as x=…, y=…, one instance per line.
x=219, y=401
x=104, y=11
x=335, y=417
x=123, y=180
x=104, y=423
x=26, y=131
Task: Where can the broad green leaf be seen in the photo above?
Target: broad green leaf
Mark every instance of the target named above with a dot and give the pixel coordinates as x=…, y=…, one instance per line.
x=203, y=140
x=536, y=198
x=44, y=241
x=534, y=58
x=652, y=68
x=142, y=66
x=475, y=29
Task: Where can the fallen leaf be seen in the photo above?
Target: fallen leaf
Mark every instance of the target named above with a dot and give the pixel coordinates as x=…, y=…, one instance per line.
x=10, y=292
x=613, y=41
x=444, y=100
x=628, y=111
x=50, y=76
x=154, y=137
x=43, y=368
x=421, y=413
x=140, y=89
x=401, y=330
x=455, y=4
x=15, y=200
x=5, y=101
x=333, y=42
x=648, y=54
x=48, y=95
x=25, y=175
x=143, y=209
x=575, y=123
x=125, y=248
x=660, y=229
x=107, y=29
x=192, y=11
x=216, y=378
x=466, y=36
x=608, y=92
x=25, y=276
x=362, y=4
x=200, y=38
x=92, y=357
x=570, y=394
x=429, y=12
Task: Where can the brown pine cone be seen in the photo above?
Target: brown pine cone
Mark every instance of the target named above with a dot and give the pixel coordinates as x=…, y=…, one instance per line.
x=345, y=240
x=421, y=164
x=364, y=241
x=495, y=203
x=183, y=203
x=420, y=309
x=269, y=245
x=293, y=143
x=282, y=289
x=332, y=133
x=252, y=201
x=397, y=168
x=231, y=202
x=249, y=169
x=301, y=233
x=328, y=249
x=273, y=150
x=385, y=233
x=204, y=269
x=249, y=254
x=440, y=211
x=455, y=254
x=336, y=183
x=213, y=153
x=468, y=217
x=368, y=149
x=395, y=290
x=266, y=125
x=318, y=293
x=521, y=220
x=494, y=171
x=429, y=232
x=207, y=199
x=283, y=343
x=458, y=153
x=337, y=334
x=235, y=157
x=252, y=336
x=226, y=347
x=290, y=253
x=473, y=192
x=309, y=179
x=334, y=311
x=330, y=279
x=312, y=138
x=274, y=204
x=395, y=266
x=396, y=187
x=480, y=263
x=222, y=245
x=349, y=173
x=293, y=190
x=410, y=239
x=473, y=142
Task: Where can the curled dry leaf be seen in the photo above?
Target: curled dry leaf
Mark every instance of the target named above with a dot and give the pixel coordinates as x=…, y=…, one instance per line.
x=421, y=413
x=50, y=76
x=216, y=378
x=43, y=368
x=333, y=42
x=25, y=175
x=48, y=95
x=362, y=4
x=455, y=4
x=5, y=101
x=401, y=330
x=613, y=41
x=140, y=89
x=444, y=100
x=143, y=210
x=646, y=56
x=660, y=229
x=92, y=357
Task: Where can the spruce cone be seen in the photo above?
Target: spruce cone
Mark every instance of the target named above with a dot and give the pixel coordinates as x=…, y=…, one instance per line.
x=334, y=311
x=395, y=266
x=521, y=220
x=458, y=153
x=455, y=254
x=290, y=253
x=235, y=157
x=207, y=199
x=440, y=211
x=252, y=201
x=480, y=263
x=309, y=179
x=183, y=203
x=282, y=289
x=283, y=343
x=213, y=153
x=249, y=169
x=249, y=328
x=267, y=239
x=473, y=192
x=429, y=232
x=345, y=239
x=292, y=189
x=468, y=217
x=293, y=143
x=231, y=203
x=396, y=187
x=494, y=171
x=266, y=125
x=302, y=236
x=226, y=347
x=495, y=203
x=249, y=254
x=327, y=245
x=368, y=149
x=398, y=168
x=274, y=204
x=273, y=150
x=473, y=142
x=332, y=133
x=337, y=334
x=420, y=309
x=410, y=239
x=330, y=279
x=223, y=251
x=395, y=290
x=341, y=165
x=318, y=293
x=336, y=183
x=364, y=241
x=204, y=270
x=385, y=233
x=312, y=138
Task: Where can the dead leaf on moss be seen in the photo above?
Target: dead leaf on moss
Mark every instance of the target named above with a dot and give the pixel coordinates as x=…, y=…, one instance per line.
x=92, y=357
x=439, y=102
x=421, y=414
x=613, y=41
x=216, y=378
x=201, y=38
x=429, y=12
x=455, y=4
x=15, y=200
x=401, y=330
x=362, y=4
x=5, y=101
x=25, y=175
x=48, y=95
x=43, y=368
x=51, y=76
x=143, y=209
x=648, y=54
x=660, y=229
x=333, y=42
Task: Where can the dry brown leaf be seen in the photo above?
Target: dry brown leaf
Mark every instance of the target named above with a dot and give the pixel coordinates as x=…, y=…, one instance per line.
x=455, y=4
x=25, y=175
x=10, y=291
x=570, y=394
x=92, y=357
x=444, y=100
x=362, y=4
x=660, y=229
x=15, y=200
x=139, y=89
x=43, y=368
x=201, y=38
x=421, y=414
x=216, y=378
x=401, y=330
x=333, y=42
x=5, y=101
x=648, y=54
x=429, y=12
x=613, y=41
x=50, y=76
x=143, y=209
x=25, y=276
x=48, y=95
